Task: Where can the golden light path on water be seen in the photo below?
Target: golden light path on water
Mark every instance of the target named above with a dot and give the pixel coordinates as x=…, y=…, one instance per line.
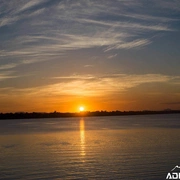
x=90, y=148
x=82, y=137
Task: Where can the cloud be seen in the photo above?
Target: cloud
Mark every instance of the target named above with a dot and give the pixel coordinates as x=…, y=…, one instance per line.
x=30, y=4
x=8, y=66
x=112, y=56
x=127, y=25
x=23, y=62
x=7, y=75
x=8, y=20
x=12, y=10
x=35, y=31
x=79, y=24
x=129, y=45
x=90, y=85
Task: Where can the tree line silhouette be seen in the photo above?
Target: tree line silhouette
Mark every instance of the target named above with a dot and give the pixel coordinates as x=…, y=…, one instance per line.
x=31, y=115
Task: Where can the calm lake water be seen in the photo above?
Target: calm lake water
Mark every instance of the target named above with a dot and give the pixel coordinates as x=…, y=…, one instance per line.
x=125, y=147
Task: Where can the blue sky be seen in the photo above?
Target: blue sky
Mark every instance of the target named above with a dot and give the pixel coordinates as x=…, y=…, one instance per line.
x=120, y=54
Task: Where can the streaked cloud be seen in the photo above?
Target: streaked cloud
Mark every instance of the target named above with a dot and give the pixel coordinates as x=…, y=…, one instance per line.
x=23, y=62
x=71, y=25
x=90, y=85
x=8, y=66
x=30, y=4
x=112, y=56
x=7, y=75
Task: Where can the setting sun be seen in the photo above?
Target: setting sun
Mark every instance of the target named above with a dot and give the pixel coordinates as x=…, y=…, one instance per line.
x=81, y=108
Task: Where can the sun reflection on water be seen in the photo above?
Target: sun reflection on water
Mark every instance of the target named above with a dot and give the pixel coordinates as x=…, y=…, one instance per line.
x=82, y=137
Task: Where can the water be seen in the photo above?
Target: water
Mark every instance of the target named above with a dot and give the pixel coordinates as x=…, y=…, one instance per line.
x=124, y=147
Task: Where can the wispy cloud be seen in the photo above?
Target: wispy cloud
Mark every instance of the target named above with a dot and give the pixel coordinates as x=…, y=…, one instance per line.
x=23, y=62
x=112, y=56
x=39, y=30
x=8, y=66
x=128, y=25
x=30, y=4
x=67, y=25
x=12, y=11
x=7, y=75
x=88, y=65
x=90, y=85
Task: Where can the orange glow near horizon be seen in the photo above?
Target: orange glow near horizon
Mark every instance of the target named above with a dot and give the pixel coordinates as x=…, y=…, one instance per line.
x=125, y=102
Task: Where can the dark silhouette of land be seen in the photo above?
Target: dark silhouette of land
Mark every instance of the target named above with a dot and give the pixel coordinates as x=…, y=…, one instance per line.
x=27, y=115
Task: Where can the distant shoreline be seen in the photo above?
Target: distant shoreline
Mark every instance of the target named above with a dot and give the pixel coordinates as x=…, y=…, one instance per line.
x=36, y=115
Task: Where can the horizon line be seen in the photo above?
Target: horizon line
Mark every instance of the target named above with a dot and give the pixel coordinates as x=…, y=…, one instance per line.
x=163, y=110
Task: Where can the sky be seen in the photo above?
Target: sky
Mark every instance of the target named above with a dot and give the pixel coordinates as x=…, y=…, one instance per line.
x=57, y=55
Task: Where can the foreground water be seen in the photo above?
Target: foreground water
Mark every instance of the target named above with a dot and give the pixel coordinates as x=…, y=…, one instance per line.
x=124, y=147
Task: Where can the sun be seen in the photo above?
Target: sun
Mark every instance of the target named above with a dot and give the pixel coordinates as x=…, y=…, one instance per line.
x=81, y=108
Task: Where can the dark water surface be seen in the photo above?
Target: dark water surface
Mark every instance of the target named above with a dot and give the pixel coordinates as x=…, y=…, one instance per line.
x=124, y=147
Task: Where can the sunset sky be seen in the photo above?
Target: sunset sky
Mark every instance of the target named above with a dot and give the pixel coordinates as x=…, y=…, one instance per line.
x=99, y=54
